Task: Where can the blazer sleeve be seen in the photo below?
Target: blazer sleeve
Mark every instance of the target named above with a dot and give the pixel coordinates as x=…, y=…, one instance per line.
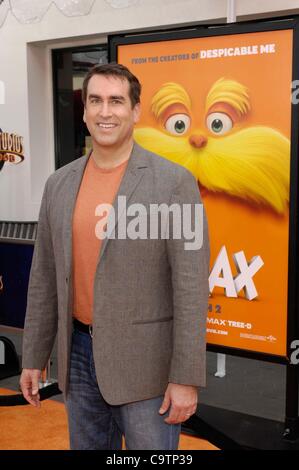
x=190, y=273
x=41, y=314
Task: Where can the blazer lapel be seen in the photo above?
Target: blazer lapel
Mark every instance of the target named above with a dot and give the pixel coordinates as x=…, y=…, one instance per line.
x=72, y=189
x=134, y=173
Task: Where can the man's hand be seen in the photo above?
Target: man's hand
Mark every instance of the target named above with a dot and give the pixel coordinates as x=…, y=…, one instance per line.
x=182, y=400
x=29, y=386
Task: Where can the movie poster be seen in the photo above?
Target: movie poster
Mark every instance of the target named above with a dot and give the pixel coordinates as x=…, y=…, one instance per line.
x=221, y=107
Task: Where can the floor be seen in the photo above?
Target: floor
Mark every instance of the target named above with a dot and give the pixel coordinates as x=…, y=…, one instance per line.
x=28, y=428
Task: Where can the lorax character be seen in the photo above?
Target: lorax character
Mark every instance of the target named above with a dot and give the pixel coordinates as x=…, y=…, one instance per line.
x=225, y=154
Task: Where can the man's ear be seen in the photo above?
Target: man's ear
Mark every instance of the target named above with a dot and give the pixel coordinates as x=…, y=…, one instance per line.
x=137, y=112
x=84, y=115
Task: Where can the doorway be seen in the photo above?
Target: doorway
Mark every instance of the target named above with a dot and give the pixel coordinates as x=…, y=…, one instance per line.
x=70, y=66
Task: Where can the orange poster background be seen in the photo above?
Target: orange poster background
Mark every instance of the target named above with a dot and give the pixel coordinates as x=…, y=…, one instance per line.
x=237, y=225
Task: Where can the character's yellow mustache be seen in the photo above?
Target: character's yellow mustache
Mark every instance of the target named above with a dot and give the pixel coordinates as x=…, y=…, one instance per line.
x=252, y=164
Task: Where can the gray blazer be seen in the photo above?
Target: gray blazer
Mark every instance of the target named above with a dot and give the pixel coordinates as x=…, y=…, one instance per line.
x=150, y=295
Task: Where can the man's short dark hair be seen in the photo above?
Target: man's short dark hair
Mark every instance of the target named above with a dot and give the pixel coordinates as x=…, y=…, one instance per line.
x=118, y=71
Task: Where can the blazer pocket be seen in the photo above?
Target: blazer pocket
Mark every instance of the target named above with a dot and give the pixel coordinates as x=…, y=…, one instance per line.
x=157, y=320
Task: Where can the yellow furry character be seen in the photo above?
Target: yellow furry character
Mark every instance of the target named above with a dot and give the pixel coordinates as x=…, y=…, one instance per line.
x=248, y=162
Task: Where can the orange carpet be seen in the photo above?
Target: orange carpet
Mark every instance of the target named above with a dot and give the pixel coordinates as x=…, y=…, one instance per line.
x=28, y=428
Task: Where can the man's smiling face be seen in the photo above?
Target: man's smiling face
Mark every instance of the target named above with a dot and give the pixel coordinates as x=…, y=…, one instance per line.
x=108, y=113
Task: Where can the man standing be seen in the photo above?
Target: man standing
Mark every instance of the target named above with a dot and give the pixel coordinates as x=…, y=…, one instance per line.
x=129, y=312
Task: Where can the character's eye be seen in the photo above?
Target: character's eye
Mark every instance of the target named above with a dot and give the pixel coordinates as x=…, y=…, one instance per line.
x=219, y=123
x=178, y=124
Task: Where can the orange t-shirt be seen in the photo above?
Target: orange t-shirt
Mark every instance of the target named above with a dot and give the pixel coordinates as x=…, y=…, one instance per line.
x=98, y=186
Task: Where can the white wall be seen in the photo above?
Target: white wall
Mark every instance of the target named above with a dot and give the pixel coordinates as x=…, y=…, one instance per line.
x=26, y=71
